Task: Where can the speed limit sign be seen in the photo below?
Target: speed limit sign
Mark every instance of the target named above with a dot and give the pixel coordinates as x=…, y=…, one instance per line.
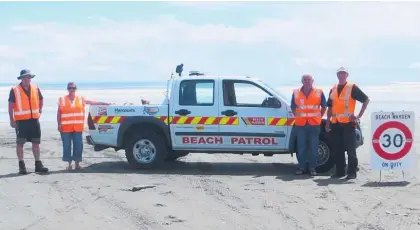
x=392, y=140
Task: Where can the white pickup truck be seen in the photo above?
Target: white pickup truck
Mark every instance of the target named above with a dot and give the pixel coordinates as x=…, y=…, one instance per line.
x=204, y=114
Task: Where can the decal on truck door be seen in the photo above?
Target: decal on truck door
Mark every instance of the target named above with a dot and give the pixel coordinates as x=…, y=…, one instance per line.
x=108, y=119
x=254, y=120
x=184, y=120
x=236, y=140
x=281, y=121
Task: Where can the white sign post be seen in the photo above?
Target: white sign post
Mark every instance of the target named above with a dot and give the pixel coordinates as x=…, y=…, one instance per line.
x=392, y=140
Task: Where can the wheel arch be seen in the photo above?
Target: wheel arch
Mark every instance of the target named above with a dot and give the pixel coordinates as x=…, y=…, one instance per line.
x=133, y=124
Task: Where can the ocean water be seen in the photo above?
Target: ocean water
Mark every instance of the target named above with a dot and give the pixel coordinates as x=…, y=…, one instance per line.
x=393, y=96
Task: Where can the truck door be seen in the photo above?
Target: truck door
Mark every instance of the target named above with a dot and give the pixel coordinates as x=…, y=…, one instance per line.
x=194, y=115
x=249, y=126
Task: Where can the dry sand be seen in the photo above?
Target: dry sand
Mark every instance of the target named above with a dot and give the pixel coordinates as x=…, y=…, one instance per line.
x=200, y=191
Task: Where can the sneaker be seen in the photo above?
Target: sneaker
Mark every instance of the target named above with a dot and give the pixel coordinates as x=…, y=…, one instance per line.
x=299, y=172
x=351, y=176
x=22, y=168
x=39, y=167
x=335, y=175
x=312, y=172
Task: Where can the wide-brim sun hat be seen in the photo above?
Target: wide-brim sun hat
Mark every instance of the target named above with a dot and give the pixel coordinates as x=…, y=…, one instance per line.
x=24, y=73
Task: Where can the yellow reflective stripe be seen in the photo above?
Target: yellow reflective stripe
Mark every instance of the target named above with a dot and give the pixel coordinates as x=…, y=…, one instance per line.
x=115, y=120
x=196, y=120
x=223, y=120
x=210, y=120
x=102, y=120
x=182, y=120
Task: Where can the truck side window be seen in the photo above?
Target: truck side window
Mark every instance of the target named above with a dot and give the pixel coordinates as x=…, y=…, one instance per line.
x=196, y=92
x=243, y=93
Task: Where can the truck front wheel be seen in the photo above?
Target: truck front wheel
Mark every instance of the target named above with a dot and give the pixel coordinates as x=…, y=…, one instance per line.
x=145, y=150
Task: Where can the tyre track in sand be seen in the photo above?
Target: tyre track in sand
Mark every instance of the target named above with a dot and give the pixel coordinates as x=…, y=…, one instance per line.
x=72, y=196
x=233, y=193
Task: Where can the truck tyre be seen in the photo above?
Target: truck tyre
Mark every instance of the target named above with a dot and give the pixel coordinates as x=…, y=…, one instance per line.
x=325, y=161
x=174, y=155
x=145, y=150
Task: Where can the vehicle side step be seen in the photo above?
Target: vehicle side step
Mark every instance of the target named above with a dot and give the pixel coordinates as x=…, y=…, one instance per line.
x=100, y=147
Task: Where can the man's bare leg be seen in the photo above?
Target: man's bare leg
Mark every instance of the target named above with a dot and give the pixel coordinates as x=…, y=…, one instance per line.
x=19, y=151
x=35, y=151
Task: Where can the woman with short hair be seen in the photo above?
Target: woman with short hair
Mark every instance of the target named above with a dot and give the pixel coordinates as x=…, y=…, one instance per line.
x=71, y=120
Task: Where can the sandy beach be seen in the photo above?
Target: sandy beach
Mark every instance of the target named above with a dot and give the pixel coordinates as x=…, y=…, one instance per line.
x=200, y=191
x=123, y=53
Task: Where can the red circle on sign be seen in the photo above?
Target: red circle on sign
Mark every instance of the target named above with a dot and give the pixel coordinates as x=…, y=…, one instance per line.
x=377, y=135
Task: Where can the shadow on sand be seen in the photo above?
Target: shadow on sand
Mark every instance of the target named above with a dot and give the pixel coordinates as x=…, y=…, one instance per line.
x=281, y=171
x=386, y=184
x=192, y=168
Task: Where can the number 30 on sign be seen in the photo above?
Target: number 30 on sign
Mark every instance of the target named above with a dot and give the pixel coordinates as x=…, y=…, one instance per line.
x=392, y=140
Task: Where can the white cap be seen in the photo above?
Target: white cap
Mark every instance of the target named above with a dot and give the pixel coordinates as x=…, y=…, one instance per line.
x=342, y=69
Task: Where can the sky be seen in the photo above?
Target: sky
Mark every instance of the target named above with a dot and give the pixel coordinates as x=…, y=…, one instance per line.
x=275, y=41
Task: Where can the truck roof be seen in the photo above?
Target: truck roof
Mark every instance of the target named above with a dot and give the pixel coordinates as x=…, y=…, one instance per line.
x=218, y=76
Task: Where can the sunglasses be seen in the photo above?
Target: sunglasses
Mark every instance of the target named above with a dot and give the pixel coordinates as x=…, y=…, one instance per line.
x=71, y=88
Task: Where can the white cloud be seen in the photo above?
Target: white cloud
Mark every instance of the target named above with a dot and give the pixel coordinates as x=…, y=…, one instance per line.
x=325, y=36
x=208, y=5
x=414, y=65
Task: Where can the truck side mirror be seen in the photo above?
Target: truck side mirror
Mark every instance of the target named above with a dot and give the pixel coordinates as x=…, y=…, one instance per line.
x=179, y=69
x=273, y=102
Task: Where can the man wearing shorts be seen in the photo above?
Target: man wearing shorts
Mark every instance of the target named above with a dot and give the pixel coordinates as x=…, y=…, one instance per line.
x=25, y=108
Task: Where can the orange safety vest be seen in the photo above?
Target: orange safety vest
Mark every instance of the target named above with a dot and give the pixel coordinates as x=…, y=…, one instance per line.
x=308, y=109
x=72, y=114
x=24, y=107
x=343, y=105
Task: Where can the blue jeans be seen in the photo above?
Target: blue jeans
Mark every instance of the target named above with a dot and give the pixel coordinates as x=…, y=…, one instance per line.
x=307, y=145
x=77, y=139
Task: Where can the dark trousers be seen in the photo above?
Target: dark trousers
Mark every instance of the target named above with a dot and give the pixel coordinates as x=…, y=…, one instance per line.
x=343, y=139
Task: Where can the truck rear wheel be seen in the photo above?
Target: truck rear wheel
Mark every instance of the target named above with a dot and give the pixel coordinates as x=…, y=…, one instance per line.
x=145, y=150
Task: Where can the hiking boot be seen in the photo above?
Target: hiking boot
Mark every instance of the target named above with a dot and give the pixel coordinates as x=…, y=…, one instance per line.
x=22, y=168
x=39, y=167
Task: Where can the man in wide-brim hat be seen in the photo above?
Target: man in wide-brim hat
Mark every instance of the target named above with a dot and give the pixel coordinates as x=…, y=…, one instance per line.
x=25, y=108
